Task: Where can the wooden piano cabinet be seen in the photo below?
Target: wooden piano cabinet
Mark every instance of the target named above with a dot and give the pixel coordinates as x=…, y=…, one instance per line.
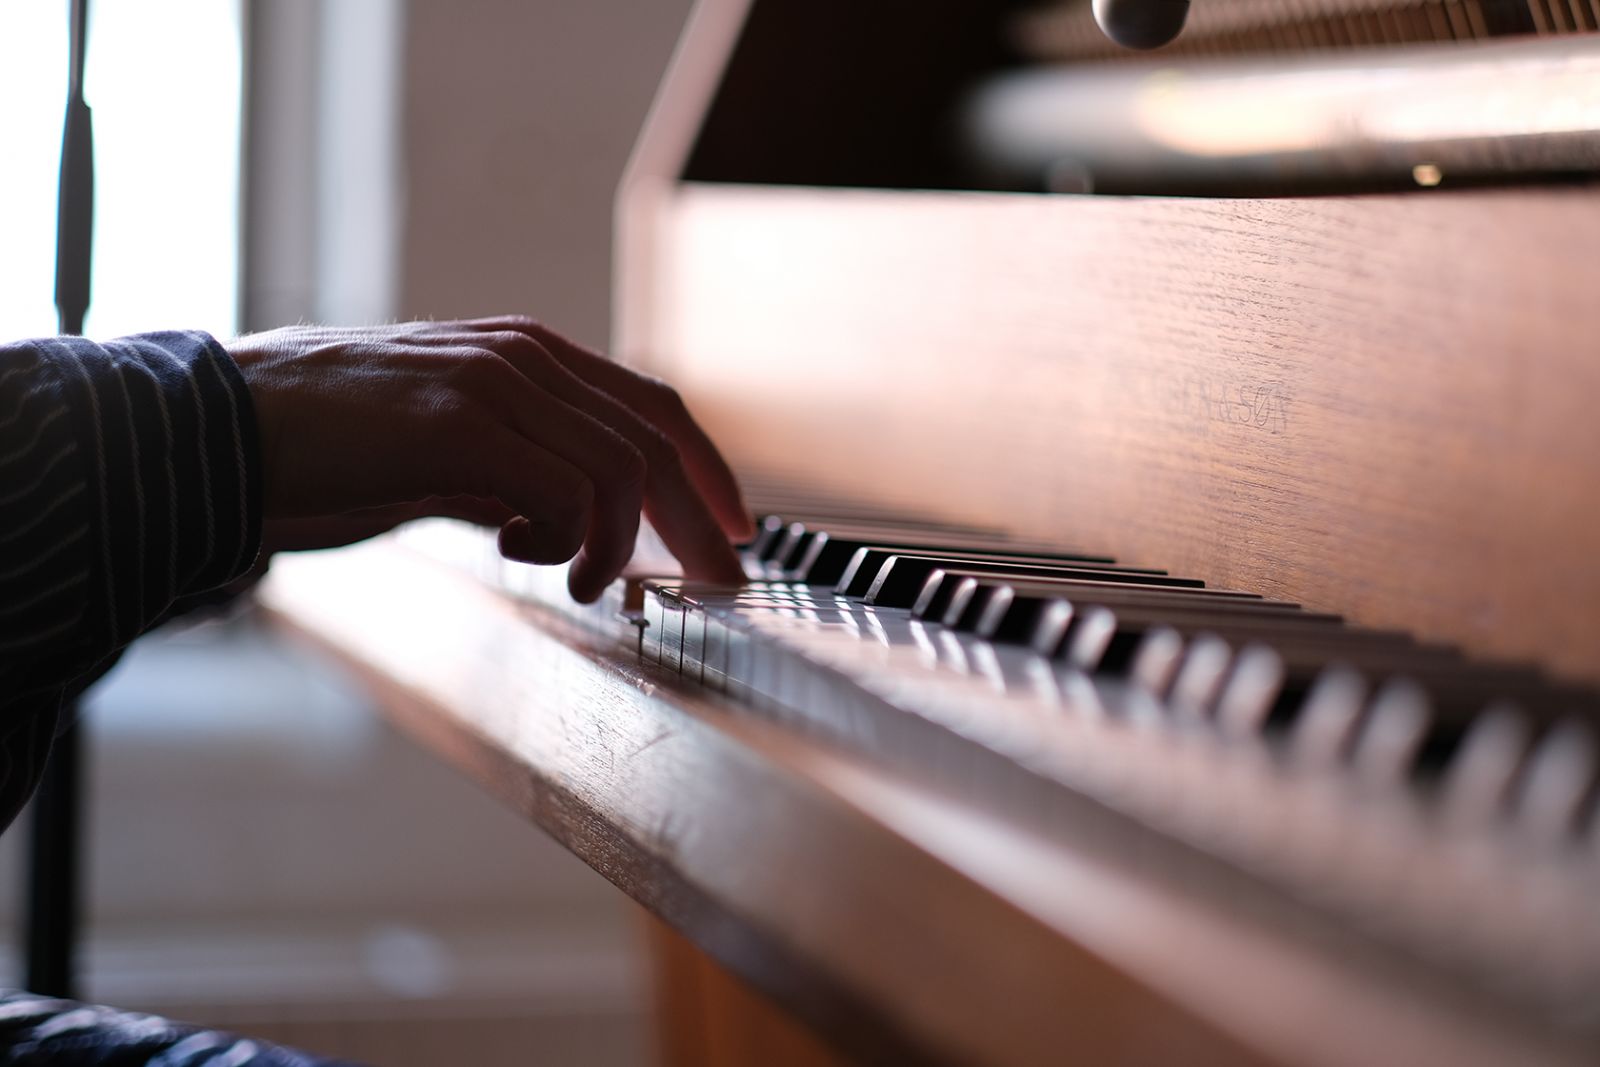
x=706, y=1017
x=758, y=845
x=879, y=905
x=1386, y=406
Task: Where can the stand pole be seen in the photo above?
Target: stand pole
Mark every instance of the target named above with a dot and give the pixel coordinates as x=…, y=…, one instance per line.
x=54, y=882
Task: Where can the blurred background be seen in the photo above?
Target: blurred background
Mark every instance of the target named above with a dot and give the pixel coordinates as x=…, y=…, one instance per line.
x=265, y=853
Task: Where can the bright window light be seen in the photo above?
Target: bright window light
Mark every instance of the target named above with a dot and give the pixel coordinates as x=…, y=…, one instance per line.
x=163, y=81
x=33, y=84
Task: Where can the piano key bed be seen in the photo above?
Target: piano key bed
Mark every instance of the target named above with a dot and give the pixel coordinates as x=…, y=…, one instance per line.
x=1431, y=805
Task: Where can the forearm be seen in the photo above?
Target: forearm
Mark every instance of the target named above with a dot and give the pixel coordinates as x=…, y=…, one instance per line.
x=128, y=480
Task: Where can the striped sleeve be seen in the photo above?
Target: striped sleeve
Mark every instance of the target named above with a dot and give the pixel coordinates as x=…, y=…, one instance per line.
x=129, y=478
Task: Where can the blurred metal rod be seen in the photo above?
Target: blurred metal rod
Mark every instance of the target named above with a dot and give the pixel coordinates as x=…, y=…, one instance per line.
x=55, y=881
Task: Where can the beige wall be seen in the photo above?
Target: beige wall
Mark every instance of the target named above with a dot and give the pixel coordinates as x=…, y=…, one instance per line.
x=518, y=118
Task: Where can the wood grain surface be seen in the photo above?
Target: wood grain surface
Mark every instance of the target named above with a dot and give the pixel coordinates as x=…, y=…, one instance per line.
x=900, y=921
x=707, y=1017
x=1385, y=406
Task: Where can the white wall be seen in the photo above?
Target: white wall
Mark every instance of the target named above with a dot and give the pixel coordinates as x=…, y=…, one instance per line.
x=518, y=119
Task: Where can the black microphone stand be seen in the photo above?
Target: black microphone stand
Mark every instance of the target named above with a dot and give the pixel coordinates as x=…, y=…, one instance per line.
x=54, y=883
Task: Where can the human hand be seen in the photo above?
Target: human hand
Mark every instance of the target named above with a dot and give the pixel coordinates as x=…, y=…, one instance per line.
x=502, y=421
x=305, y=534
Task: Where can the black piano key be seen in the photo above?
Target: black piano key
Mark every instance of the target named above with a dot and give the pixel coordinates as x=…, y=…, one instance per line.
x=945, y=586
x=1016, y=618
x=1558, y=782
x=1093, y=640
x=793, y=541
x=1258, y=693
x=1395, y=710
x=969, y=601
x=897, y=580
x=1459, y=693
x=1272, y=674
x=1327, y=719
x=1458, y=743
x=830, y=555
x=1009, y=610
x=934, y=600
x=1441, y=745
x=1200, y=676
x=1478, y=781
x=1248, y=663
x=769, y=529
x=1391, y=734
x=1156, y=661
x=1307, y=644
x=1064, y=628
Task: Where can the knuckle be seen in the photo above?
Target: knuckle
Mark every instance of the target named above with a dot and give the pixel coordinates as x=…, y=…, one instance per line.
x=632, y=468
x=525, y=347
x=666, y=462
x=498, y=339
x=656, y=445
x=465, y=369
x=520, y=324
x=621, y=464
x=477, y=371
x=523, y=354
x=668, y=399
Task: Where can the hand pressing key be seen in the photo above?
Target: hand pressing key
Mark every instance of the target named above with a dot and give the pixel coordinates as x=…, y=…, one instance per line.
x=502, y=421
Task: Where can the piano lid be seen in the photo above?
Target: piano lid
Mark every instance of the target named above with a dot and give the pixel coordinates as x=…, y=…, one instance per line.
x=1008, y=96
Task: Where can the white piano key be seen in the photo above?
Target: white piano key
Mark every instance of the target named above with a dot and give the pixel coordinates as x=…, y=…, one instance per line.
x=805, y=657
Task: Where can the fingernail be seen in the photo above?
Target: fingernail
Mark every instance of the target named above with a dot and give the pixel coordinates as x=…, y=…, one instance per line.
x=514, y=537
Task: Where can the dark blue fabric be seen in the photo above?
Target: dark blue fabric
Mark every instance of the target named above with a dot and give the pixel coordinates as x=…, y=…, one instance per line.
x=44, y=1030
x=130, y=483
x=130, y=488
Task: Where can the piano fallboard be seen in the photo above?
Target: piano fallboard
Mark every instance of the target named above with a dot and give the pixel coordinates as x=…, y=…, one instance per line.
x=1380, y=406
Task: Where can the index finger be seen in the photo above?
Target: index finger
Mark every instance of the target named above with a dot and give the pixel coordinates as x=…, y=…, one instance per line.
x=658, y=403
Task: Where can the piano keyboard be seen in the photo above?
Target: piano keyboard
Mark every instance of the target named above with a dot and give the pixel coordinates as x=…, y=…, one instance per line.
x=1438, y=806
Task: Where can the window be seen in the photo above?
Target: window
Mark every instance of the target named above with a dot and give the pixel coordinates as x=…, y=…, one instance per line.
x=163, y=80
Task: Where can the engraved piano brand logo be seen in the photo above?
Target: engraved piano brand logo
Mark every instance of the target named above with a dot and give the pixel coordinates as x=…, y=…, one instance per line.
x=1261, y=406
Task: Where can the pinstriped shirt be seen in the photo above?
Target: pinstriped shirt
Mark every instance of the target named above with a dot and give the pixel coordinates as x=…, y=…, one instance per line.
x=129, y=481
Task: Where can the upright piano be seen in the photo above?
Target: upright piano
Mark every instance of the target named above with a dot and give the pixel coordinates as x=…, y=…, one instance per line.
x=1173, y=633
